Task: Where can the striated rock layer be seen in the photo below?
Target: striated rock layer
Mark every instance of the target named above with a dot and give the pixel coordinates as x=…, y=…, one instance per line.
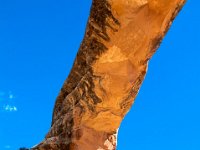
x=121, y=36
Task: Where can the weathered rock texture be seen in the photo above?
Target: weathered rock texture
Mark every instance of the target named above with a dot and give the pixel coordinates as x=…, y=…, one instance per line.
x=120, y=38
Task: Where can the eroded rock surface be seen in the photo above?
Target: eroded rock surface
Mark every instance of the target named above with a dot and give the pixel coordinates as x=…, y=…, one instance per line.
x=120, y=38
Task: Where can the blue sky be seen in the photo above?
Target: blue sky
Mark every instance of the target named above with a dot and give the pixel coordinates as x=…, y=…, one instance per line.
x=38, y=43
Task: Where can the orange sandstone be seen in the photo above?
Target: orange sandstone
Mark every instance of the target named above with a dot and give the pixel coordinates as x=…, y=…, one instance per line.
x=121, y=36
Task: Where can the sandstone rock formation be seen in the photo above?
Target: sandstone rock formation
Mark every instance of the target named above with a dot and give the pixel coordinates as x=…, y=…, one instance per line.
x=120, y=38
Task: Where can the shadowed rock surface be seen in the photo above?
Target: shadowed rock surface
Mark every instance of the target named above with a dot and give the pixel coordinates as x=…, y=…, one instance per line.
x=121, y=36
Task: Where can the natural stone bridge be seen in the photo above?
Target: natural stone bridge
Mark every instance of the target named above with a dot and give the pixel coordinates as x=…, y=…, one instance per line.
x=120, y=38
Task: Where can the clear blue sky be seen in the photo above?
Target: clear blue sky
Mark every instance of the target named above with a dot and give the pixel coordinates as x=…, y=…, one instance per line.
x=38, y=43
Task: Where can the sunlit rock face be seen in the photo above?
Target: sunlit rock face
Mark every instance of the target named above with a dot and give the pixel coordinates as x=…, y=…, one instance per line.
x=121, y=36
